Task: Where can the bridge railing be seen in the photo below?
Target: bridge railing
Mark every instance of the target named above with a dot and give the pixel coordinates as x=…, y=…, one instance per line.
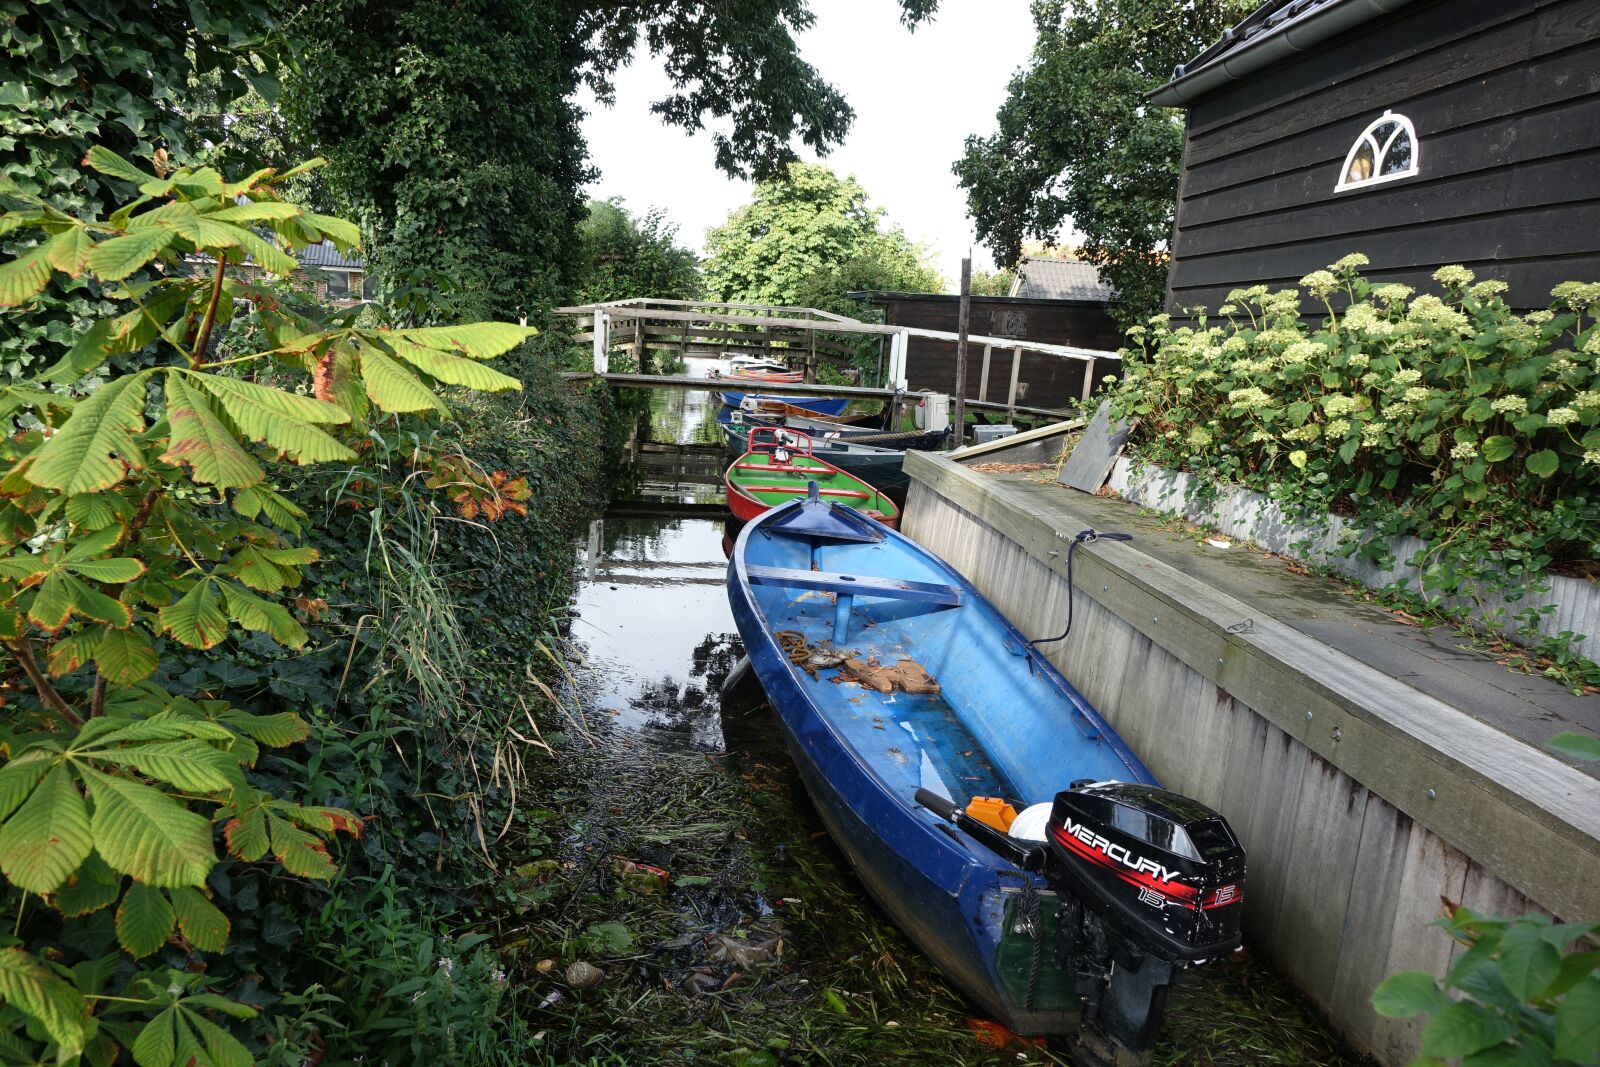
x=804, y=337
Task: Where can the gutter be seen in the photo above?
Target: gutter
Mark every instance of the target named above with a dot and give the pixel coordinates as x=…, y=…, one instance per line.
x=1292, y=38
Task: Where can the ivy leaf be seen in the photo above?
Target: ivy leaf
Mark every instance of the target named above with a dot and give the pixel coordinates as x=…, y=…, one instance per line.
x=300, y=852
x=48, y=838
x=203, y=924
x=157, y=1043
x=144, y=920
x=89, y=452
x=392, y=387
x=41, y=994
x=143, y=832
x=481, y=340
x=1498, y=448
x=455, y=370
x=196, y=618
x=24, y=278
x=201, y=440
x=1544, y=463
x=119, y=257
x=1578, y=1023
x=125, y=656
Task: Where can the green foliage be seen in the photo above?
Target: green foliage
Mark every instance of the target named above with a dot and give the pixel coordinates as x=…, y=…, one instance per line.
x=808, y=238
x=453, y=135
x=1522, y=991
x=144, y=519
x=1079, y=149
x=992, y=283
x=1453, y=420
x=109, y=74
x=626, y=255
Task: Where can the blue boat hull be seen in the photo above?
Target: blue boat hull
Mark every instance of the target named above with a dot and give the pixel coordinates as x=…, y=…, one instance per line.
x=1005, y=723
x=822, y=405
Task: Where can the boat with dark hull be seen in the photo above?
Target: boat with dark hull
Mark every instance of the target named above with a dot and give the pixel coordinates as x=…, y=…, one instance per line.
x=1075, y=923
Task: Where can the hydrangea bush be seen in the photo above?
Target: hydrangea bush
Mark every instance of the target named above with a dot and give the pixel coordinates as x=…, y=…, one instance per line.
x=1453, y=418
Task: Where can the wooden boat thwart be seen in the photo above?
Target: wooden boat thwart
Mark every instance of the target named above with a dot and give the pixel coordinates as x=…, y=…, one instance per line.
x=880, y=467
x=774, y=471
x=1072, y=917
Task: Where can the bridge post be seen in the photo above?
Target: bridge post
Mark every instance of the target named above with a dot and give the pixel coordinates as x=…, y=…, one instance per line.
x=897, y=359
x=602, y=341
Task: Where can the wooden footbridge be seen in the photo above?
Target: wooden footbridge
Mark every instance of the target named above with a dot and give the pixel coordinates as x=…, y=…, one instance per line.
x=637, y=333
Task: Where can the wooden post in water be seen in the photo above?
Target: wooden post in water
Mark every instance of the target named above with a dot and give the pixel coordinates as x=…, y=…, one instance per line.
x=963, y=319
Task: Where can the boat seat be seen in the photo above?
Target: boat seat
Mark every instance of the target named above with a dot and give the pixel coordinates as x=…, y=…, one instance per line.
x=846, y=587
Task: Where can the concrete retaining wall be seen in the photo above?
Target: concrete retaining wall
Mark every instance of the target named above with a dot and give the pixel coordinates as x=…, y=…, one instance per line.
x=1249, y=516
x=1361, y=801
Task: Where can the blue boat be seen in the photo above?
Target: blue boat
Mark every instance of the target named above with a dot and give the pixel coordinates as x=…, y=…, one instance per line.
x=1013, y=921
x=822, y=405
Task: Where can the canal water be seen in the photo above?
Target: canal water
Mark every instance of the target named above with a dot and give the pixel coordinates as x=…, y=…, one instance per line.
x=686, y=864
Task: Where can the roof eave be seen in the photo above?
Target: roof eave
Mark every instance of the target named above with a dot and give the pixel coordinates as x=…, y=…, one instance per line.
x=1292, y=38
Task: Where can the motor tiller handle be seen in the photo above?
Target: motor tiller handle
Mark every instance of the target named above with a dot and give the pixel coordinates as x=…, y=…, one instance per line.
x=1028, y=857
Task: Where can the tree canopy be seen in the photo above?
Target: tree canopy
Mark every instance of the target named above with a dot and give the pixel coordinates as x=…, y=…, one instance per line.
x=626, y=255
x=428, y=107
x=808, y=239
x=1077, y=145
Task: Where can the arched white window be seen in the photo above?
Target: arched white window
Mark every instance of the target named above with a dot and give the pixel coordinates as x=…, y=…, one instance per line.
x=1386, y=150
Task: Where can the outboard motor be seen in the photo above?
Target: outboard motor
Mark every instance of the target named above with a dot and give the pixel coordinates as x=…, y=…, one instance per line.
x=1148, y=882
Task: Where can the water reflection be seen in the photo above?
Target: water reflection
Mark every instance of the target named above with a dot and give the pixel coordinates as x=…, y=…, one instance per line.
x=651, y=613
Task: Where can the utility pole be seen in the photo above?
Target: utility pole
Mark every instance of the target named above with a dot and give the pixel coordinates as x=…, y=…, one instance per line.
x=965, y=317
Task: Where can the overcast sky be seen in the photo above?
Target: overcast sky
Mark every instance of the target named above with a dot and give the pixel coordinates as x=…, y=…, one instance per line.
x=916, y=95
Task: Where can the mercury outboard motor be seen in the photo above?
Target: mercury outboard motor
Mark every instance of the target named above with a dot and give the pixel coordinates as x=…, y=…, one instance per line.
x=1148, y=882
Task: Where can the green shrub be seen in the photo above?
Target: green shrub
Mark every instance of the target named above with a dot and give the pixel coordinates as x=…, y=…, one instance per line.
x=1452, y=419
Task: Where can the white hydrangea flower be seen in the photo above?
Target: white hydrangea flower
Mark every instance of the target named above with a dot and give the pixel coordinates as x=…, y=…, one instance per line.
x=1539, y=318
x=1464, y=450
x=1227, y=309
x=1407, y=376
x=1338, y=427
x=1372, y=431
x=1417, y=394
x=1592, y=457
x=1492, y=287
x=1453, y=276
x=1589, y=400
x=1431, y=309
x=1319, y=283
x=1577, y=295
x=1199, y=437
x=1359, y=359
x=1510, y=405
x=1560, y=416
x=1351, y=262
x=1393, y=293
x=1340, y=405
x=1308, y=432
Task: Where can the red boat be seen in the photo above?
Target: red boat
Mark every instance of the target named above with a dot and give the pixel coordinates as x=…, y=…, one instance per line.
x=779, y=467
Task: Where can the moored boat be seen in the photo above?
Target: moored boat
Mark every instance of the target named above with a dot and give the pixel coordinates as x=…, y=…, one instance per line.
x=777, y=467
x=818, y=405
x=1073, y=917
x=877, y=465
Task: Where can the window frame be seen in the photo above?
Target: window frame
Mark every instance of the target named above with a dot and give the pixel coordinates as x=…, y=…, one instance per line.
x=1403, y=125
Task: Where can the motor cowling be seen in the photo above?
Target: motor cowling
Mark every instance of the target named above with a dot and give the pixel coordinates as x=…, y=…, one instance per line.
x=1165, y=871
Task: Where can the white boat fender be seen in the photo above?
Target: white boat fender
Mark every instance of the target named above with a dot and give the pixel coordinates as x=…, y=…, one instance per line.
x=1029, y=825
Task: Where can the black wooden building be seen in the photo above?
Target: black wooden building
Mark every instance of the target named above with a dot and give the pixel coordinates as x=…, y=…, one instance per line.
x=1417, y=132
